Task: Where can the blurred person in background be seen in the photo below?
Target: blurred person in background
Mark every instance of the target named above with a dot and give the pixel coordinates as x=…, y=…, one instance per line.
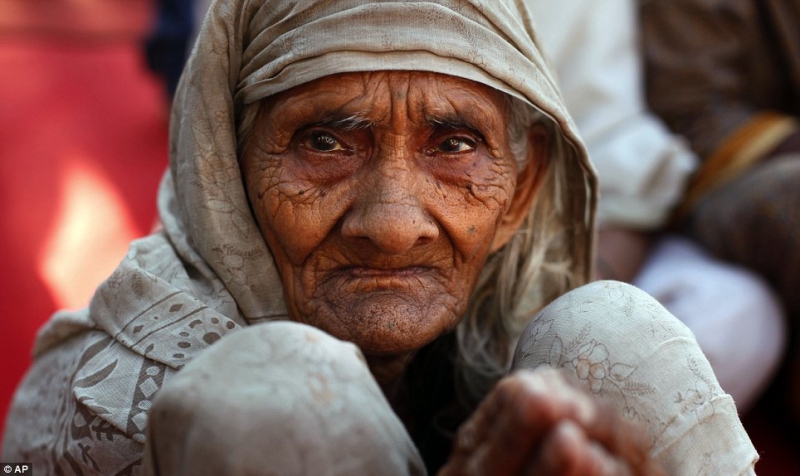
x=726, y=75
x=738, y=322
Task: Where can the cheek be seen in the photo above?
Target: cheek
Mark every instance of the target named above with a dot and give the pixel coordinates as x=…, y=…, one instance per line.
x=472, y=210
x=294, y=215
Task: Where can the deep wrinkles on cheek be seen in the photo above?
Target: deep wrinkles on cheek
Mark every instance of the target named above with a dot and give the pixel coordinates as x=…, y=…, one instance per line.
x=490, y=196
x=498, y=187
x=308, y=207
x=271, y=191
x=494, y=205
x=286, y=190
x=266, y=180
x=481, y=187
x=466, y=201
x=461, y=259
x=301, y=194
x=275, y=208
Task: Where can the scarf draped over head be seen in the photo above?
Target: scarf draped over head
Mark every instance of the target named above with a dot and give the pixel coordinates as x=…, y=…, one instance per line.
x=209, y=271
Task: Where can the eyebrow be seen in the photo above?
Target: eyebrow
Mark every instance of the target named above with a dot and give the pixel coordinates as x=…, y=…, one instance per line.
x=453, y=121
x=355, y=122
x=450, y=122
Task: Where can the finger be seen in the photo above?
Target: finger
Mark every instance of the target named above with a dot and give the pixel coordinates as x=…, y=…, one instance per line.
x=477, y=441
x=515, y=418
x=568, y=452
x=627, y=441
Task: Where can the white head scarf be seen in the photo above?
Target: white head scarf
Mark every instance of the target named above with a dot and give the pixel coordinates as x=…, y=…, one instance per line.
x=209, y=271
x=248, y=50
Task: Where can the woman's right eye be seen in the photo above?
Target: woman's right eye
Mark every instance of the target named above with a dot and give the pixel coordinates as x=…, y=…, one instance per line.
x=323, y=141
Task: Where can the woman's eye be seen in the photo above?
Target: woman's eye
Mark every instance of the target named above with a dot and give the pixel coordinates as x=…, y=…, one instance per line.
x=456, y=144
x=324, y=142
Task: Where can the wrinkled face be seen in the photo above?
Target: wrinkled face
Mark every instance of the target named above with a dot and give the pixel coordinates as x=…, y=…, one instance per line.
x=380, y=196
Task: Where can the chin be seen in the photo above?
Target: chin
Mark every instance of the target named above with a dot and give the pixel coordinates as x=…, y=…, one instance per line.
x=387, y=324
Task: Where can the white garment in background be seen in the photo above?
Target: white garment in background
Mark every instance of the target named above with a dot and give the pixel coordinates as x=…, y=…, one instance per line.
x=735, y=316
x=592, y=45
x=738, y=322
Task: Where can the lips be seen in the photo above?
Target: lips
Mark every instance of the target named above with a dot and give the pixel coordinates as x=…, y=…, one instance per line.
x=370, y=272
x=361, y=279
x=358, y=267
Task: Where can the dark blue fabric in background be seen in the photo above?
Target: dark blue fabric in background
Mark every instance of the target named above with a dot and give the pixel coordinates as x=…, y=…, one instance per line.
x=167, y=46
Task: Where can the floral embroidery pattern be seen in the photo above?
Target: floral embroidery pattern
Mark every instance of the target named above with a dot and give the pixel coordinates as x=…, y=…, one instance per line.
x=700, y=398
x=627, y=350
x=593, y=364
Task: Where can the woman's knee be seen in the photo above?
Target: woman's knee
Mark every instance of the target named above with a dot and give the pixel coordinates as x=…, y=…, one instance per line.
x=631, y=352
x=280, y=395
x=616, y=316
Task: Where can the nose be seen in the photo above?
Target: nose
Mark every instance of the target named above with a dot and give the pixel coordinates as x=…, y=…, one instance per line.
x=390, y=214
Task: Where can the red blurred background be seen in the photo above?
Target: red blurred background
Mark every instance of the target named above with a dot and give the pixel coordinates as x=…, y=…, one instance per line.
x=83, y=144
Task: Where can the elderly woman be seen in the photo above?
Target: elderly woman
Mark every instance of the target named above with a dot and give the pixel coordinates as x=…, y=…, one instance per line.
x=367, y=202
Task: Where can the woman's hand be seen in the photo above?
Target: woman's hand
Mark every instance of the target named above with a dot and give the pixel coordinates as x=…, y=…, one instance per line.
x=540, y=423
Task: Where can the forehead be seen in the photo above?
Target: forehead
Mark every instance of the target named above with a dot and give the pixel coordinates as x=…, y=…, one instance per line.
x=384, y=95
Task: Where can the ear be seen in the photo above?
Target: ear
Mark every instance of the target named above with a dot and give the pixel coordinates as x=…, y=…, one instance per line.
x=528, y=182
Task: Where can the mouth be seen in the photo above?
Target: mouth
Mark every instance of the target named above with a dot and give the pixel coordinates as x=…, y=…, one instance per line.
x=370, y=272
x=370, y=279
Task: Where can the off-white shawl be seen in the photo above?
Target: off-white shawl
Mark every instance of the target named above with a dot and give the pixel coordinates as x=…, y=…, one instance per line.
x=211, y=250
x=209, y=272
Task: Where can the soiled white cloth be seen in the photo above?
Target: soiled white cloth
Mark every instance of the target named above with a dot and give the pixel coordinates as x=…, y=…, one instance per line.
x=83, y=408
x=326, y=415
x=628, y=350
x=305, y=404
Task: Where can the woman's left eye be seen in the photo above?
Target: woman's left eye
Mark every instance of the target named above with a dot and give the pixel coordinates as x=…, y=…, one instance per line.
x=455, y=144
x=324, y=142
